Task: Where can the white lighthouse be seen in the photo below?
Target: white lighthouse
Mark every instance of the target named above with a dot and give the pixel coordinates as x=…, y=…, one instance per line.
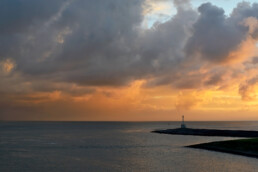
x=183, y=123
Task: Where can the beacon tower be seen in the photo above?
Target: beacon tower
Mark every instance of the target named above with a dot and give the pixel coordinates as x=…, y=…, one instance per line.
x=183, y=123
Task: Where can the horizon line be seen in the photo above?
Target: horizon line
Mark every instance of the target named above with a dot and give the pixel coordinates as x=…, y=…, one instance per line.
x=124, y=121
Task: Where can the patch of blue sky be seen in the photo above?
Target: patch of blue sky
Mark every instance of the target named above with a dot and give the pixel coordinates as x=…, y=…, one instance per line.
x=163, y=10
x=227, y=5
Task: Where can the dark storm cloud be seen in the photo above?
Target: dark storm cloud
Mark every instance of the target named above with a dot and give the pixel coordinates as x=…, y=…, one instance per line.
x=244, y=10
x=102, y=43
x=86, y=43
x=214, y=34
x=18, y=16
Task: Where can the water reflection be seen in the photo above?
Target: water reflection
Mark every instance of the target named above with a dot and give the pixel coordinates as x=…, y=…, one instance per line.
x=81, y=146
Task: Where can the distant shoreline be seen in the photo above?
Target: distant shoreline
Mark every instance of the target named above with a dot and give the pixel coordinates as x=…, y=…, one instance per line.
x=209, y=132
x=245, y=147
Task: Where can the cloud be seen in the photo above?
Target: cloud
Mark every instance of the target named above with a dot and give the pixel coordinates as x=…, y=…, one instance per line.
x=78, y=46
x=101, y=43
x=247, y=90
x=7, y=65
x=215, y=35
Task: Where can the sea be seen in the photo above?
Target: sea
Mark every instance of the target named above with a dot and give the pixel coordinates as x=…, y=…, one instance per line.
x=115, y=147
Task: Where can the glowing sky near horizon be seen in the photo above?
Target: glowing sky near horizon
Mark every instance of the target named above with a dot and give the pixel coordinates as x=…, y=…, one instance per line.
x=120, y=60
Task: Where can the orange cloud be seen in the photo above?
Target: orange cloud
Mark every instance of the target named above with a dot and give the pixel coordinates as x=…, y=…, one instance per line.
x=7, y=65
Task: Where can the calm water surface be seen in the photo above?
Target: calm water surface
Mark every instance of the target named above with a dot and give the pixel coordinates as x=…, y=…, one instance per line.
x=114, y=146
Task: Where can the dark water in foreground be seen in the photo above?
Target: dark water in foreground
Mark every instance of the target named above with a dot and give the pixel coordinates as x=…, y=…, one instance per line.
x=114, y=146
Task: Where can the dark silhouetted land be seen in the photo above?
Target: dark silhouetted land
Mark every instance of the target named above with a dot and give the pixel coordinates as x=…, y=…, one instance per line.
x=246, y=147
x=209, y=132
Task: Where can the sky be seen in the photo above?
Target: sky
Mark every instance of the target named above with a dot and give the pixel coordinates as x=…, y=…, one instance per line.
x=120, y=60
